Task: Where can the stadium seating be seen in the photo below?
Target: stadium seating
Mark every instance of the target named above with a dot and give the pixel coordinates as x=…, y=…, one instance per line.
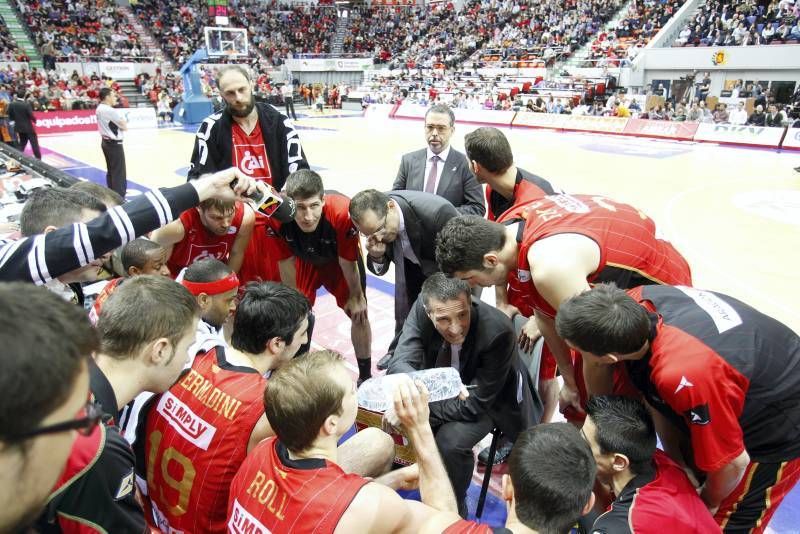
x=9, y=50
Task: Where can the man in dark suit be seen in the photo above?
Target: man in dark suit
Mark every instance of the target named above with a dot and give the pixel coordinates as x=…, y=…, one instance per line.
x=20, y=114
x=446, y=327
x=401, y=226
x=440, y=169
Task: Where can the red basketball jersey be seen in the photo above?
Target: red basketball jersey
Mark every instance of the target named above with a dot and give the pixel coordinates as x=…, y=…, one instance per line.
x=273, y=493
x=198, y=243
x=102, y=297
x=630, y=253
x=197, y=436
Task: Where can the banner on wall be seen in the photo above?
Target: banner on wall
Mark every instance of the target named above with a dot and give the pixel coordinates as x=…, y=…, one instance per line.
x=740, y=135
x=672, y=130
x=59, y=122
x=792, y=139
x=118, y=71
x=595, y=124
x=140, y=117
x=540, y=120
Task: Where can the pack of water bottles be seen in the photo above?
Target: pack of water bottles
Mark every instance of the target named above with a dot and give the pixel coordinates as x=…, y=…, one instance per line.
x=377, y=394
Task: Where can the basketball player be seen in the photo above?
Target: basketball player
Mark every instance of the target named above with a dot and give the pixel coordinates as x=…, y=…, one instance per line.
x=723, y=378
x=145, y=329
x=548, y=485
x=296, y=481
x=508, y=187
x=140, y=256
x=47, y=344
x=324, y=251
x=558, y=246
x=260, y=142
x=215, y=229
x=198, y=433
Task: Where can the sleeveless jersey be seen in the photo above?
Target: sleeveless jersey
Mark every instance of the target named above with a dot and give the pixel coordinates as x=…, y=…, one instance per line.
x=110, y=287
x=630, y=253
x=334, y=237
x=273, y=493
x=527, y=188
x=198, y=243
x=197, y=435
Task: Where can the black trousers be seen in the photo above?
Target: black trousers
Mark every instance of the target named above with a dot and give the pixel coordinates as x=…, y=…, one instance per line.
x=116, y=175
x=455, y=440
x=34, y=139
x=289, y=103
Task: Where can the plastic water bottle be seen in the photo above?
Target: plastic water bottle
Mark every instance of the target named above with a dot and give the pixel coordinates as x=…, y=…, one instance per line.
x=377, y=394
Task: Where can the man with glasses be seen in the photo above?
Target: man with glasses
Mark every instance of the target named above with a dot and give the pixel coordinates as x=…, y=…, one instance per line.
x=145, y=327
x=409, y=222
x=43, y=392
x=440, y=169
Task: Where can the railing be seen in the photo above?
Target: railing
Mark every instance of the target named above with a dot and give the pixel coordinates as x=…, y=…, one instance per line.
x=78, y=58
x=344, y=55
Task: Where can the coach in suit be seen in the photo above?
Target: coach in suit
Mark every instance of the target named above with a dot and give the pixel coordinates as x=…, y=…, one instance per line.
x=440, y=169
x=20, y=115
x=401, y=227
x=446, y=327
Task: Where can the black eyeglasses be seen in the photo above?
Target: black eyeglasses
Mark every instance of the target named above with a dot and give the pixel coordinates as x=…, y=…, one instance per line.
x=85, y=423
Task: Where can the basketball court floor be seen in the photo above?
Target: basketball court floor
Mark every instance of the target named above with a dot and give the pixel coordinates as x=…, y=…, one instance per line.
x=734, y=213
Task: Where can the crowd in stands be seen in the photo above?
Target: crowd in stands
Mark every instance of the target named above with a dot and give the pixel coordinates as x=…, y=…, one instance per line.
x=640, y=24
x=742, y=23
x=276, y=31
x=74, y=30
x=51, y=91
x=547, y=31
x=9, y=50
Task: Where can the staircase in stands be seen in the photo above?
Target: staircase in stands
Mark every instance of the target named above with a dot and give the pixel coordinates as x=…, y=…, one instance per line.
x=580, y=56
x=19, y=32
x=342, y=25
x=151, y=47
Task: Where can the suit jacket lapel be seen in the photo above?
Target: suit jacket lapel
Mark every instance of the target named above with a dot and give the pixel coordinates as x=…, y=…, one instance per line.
x=413, y=228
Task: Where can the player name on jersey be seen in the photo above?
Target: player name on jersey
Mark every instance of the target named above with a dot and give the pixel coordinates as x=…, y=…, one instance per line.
x=211, y=396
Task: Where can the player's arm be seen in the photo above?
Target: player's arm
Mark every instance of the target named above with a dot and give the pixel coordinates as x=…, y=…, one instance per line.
x=501, y=301
x=169, y=235
x=356, y=306
x=242, y=239
x=671, y=439
x=376, y=509
x=559, y=267
x=260, y=432
x=288, y=272
x=720, y=483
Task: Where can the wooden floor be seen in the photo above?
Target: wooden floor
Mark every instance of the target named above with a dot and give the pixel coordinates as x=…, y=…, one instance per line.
x=733, y=212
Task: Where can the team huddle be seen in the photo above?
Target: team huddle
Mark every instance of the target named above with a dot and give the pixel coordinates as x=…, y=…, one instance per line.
x=208, y=412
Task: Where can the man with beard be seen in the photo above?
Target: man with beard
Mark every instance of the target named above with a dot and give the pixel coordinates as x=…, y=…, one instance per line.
x=259, y=141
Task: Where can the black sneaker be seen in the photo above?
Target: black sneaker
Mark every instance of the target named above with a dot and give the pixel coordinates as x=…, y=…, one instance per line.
x=500, y=455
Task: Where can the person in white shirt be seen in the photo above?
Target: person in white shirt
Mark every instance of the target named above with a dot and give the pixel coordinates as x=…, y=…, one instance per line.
x=111, y=125
x=739, y=115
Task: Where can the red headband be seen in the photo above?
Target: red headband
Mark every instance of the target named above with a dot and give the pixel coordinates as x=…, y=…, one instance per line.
x=212, y=288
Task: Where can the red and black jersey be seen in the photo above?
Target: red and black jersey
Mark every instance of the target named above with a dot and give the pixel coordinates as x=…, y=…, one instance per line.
x=630, y=253
x=725, y=373
x=198, y=243
x=664, y=496
x=471, y=527
x=273, y=493
x=334, y=237
x=96, y=492
x=197, y=434
x=528, y=187
x=102, y=297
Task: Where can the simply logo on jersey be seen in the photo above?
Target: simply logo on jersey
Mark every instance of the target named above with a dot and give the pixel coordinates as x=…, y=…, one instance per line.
x=698, y=415
x=683, y=384
x=568, y=203
x=243, y=522
x=187, y=423
x=722, y=313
